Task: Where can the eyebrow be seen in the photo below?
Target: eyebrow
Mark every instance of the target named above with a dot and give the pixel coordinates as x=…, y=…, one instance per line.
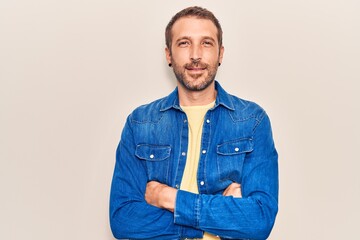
x=183, y=38
x=210, y=38
x=190, y=38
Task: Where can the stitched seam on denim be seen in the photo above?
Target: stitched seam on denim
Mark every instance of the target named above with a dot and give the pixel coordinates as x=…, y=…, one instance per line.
x=148, y=121
x=179, y=156
x=165, y=147
x=197, y=210
x=234, y=141
x=130, y=127
x=241, y=119
x=208, y=144
x=259, y=120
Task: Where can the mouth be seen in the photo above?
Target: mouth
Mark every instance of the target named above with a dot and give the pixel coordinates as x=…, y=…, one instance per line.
x=195, y=69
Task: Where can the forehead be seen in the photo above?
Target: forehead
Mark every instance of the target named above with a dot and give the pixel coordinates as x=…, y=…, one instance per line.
x=193, y=27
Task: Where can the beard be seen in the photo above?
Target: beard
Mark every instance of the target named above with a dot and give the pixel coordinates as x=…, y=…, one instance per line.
x=195, y=82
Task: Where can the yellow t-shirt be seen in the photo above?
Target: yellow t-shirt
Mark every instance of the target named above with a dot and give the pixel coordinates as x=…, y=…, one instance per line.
x=195, y=116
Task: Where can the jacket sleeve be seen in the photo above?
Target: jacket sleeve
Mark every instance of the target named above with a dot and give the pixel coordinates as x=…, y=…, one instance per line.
x=249, y=217
x=130, y=216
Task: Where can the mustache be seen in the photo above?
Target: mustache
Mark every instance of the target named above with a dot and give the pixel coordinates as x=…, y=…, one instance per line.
x=197, y=64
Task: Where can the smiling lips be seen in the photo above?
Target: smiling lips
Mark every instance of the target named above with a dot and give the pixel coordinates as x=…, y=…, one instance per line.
x=195, y=68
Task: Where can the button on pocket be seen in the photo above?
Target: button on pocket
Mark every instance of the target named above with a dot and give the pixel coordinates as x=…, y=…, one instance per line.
x=238, y=146
x=157, y=160
x=230, y=158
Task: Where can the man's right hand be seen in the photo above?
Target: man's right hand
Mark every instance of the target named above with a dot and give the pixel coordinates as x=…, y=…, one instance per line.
x=160, y=195
x=234, y=189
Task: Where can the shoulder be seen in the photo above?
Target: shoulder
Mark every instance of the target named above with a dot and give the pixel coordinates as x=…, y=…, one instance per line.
x=149, y=112
x=245, y=109
x=239, y=109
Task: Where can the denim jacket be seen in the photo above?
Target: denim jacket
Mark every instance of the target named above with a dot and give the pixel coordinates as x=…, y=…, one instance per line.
x=236, y=146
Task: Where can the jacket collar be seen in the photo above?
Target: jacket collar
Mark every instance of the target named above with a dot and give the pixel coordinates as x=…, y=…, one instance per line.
x=222, y=98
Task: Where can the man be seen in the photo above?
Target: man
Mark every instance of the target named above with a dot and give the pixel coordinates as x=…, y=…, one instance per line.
x=199, y=163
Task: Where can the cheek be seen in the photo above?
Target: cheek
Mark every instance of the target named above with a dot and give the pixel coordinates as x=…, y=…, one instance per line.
x=181, y=54
x=211, y=56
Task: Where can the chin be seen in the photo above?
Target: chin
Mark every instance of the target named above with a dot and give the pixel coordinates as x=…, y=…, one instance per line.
x=197, y=85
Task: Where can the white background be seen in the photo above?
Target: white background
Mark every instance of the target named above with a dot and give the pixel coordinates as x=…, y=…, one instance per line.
x=71, y=72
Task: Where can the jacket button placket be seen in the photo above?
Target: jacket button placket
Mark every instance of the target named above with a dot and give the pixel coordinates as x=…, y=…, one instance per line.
x=183, y=150
x=204, y=152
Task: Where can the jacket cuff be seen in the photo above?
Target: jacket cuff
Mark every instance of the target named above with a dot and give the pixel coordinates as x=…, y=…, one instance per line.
x=187, y=209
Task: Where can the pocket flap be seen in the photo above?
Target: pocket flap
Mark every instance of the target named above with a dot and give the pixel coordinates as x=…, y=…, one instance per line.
x=237, y=146
x=152, y=152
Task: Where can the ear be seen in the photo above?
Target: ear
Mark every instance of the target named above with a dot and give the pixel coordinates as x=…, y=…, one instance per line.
x=221, y=54
x=168, y=55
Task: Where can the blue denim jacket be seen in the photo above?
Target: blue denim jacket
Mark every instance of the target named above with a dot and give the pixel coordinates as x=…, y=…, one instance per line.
x=236, y=146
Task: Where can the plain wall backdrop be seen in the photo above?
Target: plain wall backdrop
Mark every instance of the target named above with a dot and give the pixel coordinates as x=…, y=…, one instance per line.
x=71, y=72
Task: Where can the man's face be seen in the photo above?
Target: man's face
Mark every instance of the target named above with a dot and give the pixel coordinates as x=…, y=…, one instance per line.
x=195, y=52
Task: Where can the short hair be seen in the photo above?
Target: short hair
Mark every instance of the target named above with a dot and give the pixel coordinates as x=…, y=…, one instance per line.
x=197, y=12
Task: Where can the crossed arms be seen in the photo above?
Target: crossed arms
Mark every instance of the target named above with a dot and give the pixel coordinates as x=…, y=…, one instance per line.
x=162, y=196
x=140, y=209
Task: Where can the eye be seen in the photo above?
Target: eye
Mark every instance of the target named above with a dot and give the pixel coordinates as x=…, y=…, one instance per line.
x=183, y=43
x=207, y=43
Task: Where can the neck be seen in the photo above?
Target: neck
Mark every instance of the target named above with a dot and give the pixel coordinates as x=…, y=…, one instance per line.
x=196, y=98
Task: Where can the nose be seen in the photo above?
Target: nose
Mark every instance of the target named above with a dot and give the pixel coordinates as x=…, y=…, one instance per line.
x=195, y=53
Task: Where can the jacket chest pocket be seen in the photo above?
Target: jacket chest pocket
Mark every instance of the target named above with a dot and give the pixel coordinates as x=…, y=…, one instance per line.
x=230, y=158
x=157, y=160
